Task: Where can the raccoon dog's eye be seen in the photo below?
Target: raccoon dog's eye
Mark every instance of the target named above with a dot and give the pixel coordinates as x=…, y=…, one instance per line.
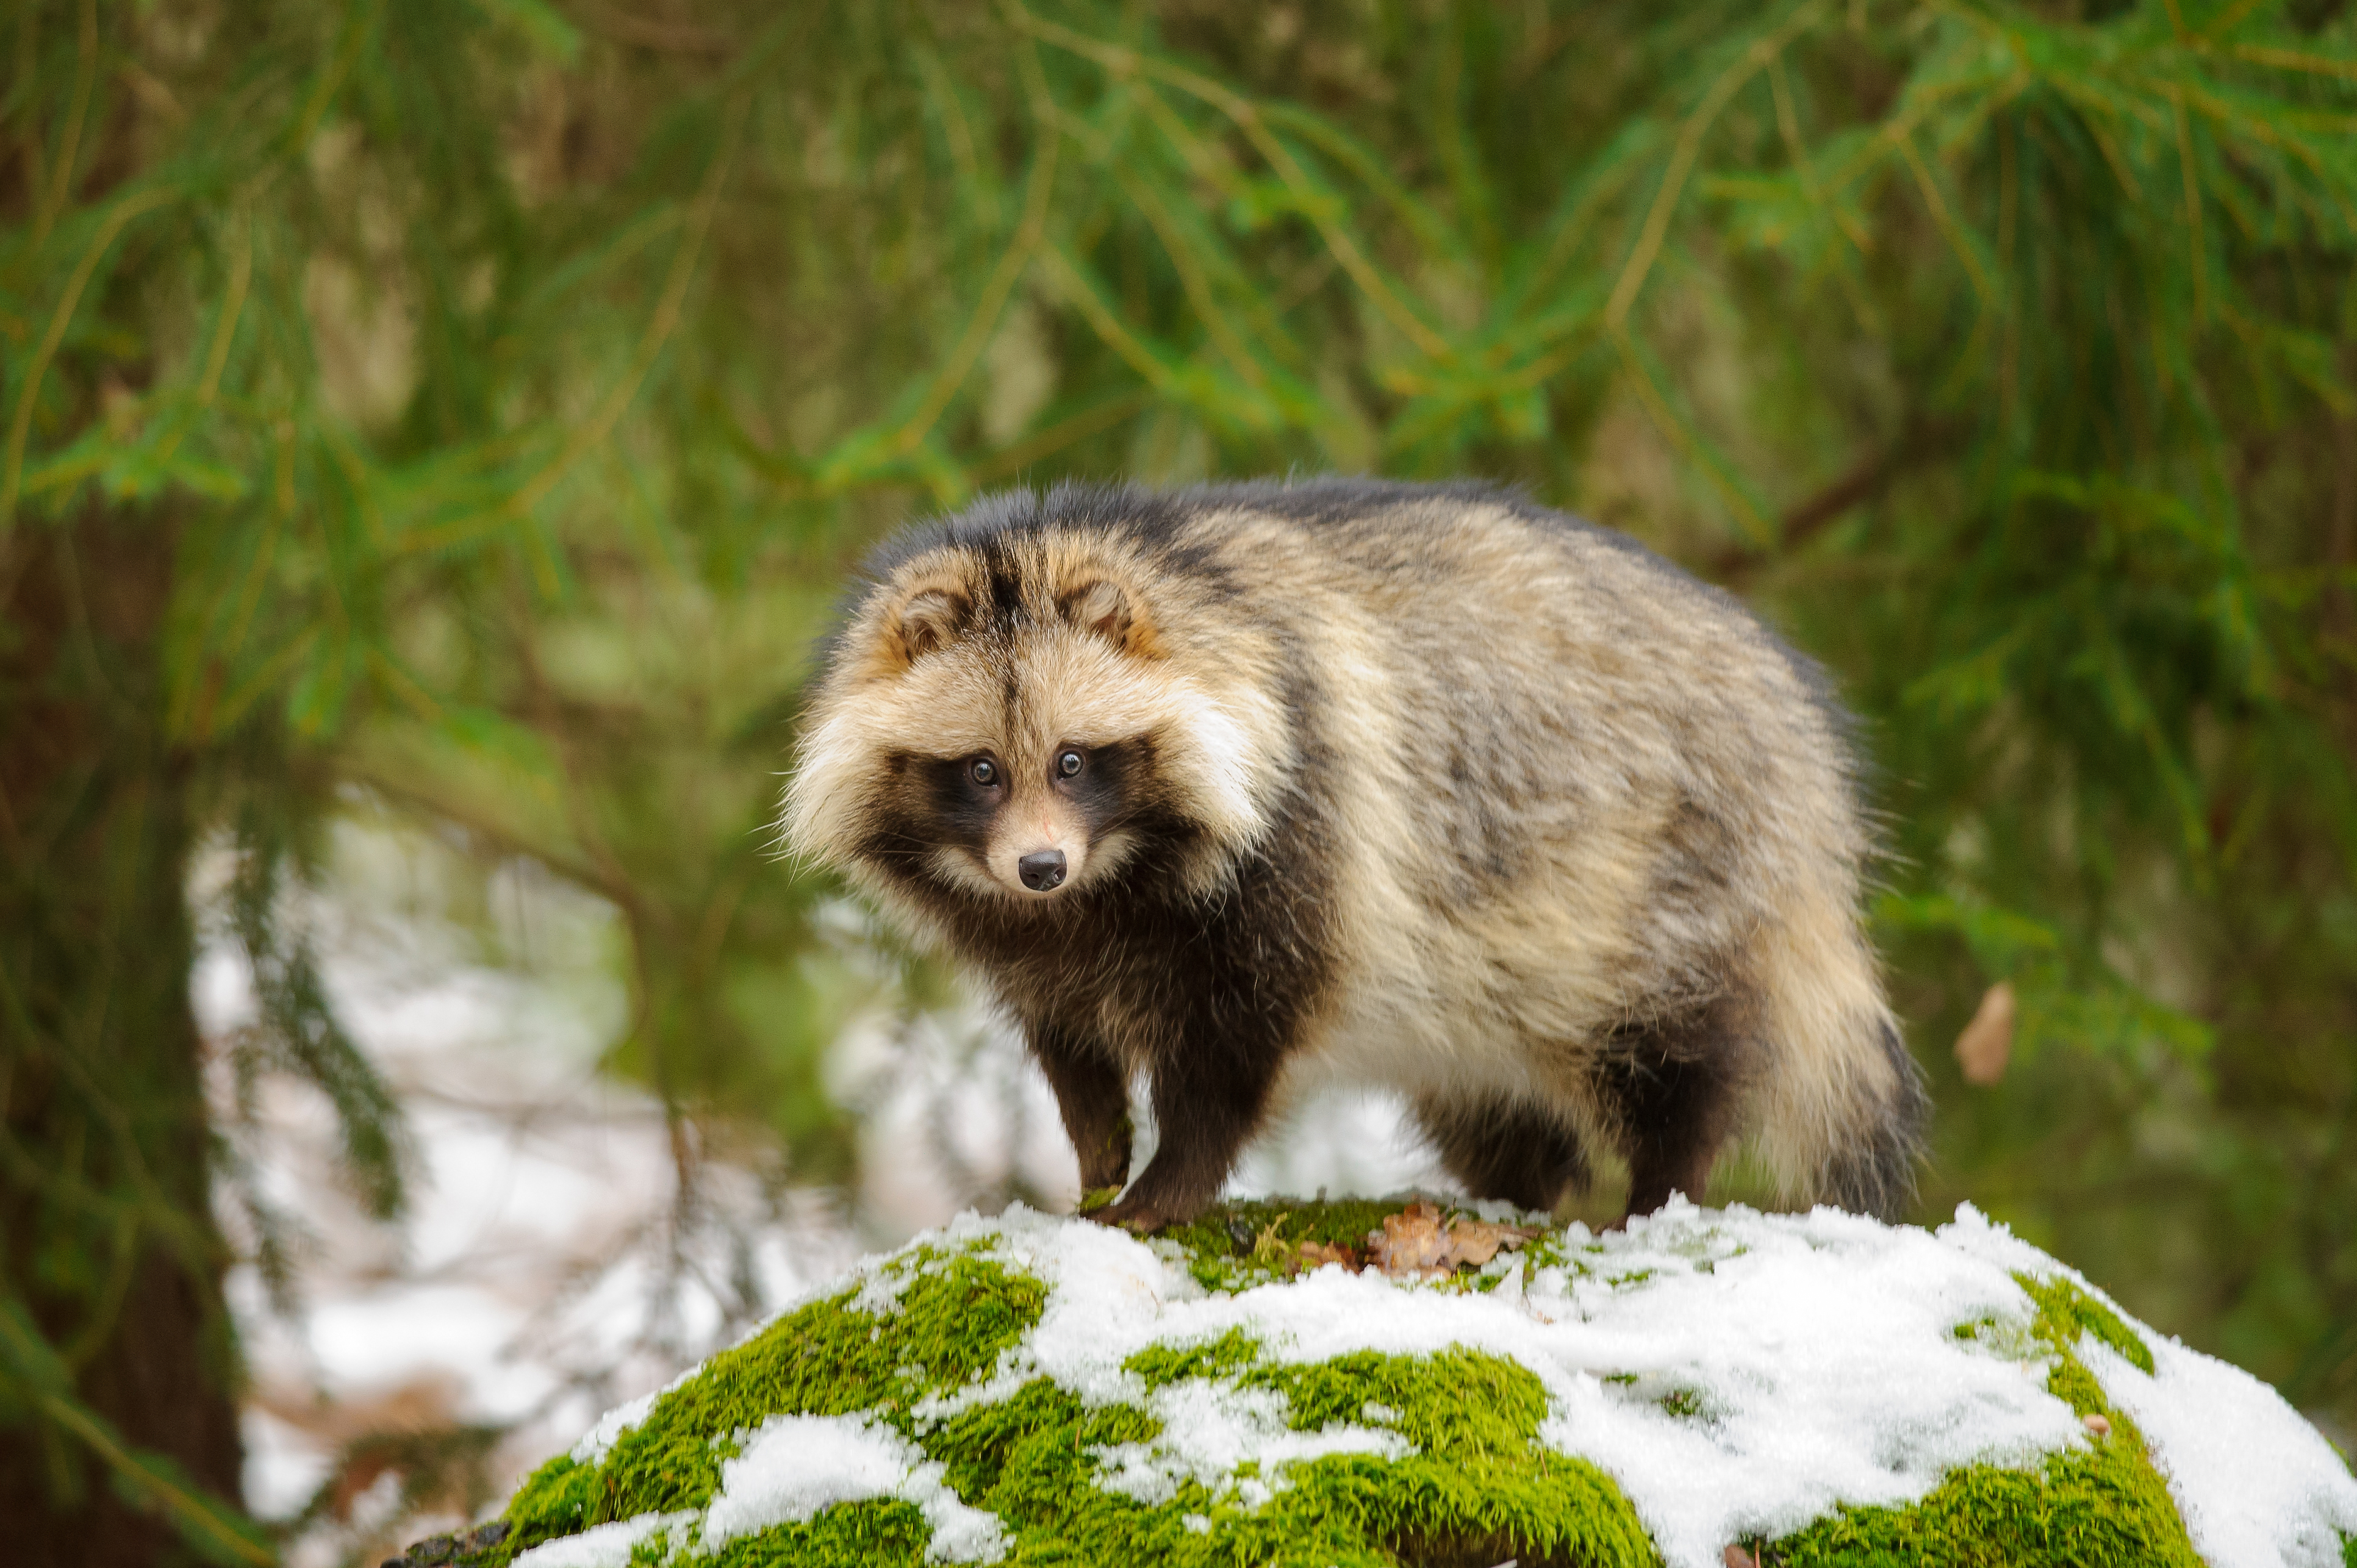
x=1068, y=764
x=983, y=771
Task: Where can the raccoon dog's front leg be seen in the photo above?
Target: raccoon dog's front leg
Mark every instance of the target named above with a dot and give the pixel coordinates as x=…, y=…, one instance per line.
x=1094, y=1100
x=1208, y=1101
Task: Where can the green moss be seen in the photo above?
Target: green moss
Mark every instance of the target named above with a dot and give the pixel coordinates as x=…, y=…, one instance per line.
x=1027, y=1459
x=1356, y=1508
x=553, y=1500
x=1475, y=1485
x=955, y=1315
x=2349, y=1551
x=2065, y=1312
x=1234, y=1246
x=1478, y=1476
x=2089, y=1509
x=883, y=1533
x=1461, y=1402
x=1345, y=1222
x=1478, y=1483
x=1222, y=1358
x=1033, y=1461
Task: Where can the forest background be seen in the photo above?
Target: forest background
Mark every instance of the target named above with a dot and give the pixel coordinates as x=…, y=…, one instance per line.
x=464, y=412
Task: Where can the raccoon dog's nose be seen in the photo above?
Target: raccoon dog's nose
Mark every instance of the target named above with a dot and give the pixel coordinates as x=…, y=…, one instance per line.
x=1042, y=872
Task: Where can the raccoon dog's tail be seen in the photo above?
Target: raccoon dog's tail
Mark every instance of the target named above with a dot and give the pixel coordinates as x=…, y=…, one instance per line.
x=1841, y=1102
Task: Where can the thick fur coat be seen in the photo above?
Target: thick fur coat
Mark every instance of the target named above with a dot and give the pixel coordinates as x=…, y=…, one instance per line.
x=1240, y=786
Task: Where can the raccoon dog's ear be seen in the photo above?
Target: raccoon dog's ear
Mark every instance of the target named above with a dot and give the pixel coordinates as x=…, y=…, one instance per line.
x=1104, y=609
x=928, y=621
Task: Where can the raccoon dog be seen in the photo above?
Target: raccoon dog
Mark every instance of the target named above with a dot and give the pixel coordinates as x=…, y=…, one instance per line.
x=1242, y=787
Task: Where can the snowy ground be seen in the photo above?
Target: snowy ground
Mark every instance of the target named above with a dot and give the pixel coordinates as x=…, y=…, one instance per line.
x=540, y=1275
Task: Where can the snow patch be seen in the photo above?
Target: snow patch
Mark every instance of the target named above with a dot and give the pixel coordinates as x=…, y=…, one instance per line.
x=793, y=1466
x=602, y=1546
x=600, y=1440
x=1210, y=1430
x=2254, y=1481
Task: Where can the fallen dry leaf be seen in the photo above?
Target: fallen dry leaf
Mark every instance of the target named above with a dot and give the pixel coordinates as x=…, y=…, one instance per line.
x=1477, y=1241
x=1316, y=1254
x=1411, y=1241
x=2097, y=1424
x=1416, y=1242
x=1986, y=1043
x=1736, y=1557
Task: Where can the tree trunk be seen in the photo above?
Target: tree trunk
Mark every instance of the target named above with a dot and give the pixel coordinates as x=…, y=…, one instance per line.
x=106, y=1235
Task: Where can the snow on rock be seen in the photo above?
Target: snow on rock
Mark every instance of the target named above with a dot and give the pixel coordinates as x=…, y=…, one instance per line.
x=600, y=1440
x=605, y=1546
x=796, y=1465
x=1211, y=1431
x=2254, y=1480
x=1736, y=1376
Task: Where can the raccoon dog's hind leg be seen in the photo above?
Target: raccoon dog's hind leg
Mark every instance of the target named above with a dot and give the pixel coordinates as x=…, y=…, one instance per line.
x=1504, y=1148
x=1673, y=1088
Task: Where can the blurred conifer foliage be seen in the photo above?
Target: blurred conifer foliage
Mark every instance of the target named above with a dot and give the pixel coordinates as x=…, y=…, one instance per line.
x=477, y=404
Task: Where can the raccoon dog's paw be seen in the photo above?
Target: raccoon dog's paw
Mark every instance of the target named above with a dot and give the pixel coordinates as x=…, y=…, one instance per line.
x=1134, y=1214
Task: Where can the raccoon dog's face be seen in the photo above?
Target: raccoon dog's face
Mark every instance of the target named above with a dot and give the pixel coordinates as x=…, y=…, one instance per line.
x=1011, y=723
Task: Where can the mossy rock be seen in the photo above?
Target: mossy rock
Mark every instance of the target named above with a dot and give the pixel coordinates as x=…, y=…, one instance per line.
x=1817, y=1389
